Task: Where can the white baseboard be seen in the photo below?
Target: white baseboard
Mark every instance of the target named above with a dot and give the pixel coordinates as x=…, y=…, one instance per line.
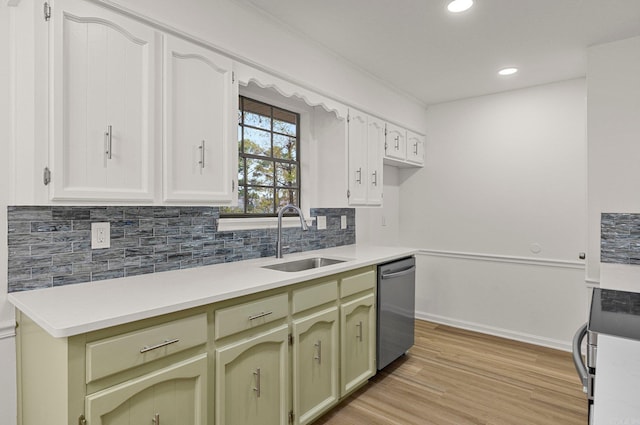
x=490, y=330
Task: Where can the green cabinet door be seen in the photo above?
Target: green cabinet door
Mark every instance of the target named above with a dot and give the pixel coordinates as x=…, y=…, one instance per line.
x=252, y=380
x=176, y=395
x=315, y=364
x=358, y=351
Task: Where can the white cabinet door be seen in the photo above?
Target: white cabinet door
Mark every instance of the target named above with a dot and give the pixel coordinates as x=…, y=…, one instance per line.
x=375, y=142
x=415, y=148
x=175, y=395
x=365, y=138
x=395, y=146
x=358, y=174
x=103, y=69
x=200, y=120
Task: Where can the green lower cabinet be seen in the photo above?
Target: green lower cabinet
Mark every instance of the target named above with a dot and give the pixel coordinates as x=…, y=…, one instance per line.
x=315, y=364
x=252, y=380
x=176, y=395
x=358, y=337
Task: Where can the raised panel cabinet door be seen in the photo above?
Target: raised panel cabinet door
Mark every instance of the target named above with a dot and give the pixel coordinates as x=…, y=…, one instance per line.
x=252, y=380
x=103, y=95
x=415, y=148
x=357, y=135
x=176, y=395
x=315, y=365
x=357, y=342
x=200, y=119
x=375, y=143
x=395, y=146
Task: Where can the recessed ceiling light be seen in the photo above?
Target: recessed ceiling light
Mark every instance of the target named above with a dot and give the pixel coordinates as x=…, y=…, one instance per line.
x=457, y=6
x=507, y=71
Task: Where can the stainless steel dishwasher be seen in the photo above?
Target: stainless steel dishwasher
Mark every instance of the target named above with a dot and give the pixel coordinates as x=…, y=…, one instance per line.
x=396, y=309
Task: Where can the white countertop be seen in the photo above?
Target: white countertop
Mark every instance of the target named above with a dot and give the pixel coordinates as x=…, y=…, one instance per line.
x=74, y=309
x=616, y=382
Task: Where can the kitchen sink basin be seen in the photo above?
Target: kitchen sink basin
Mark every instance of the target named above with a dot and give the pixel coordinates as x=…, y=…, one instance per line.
x=303, y=264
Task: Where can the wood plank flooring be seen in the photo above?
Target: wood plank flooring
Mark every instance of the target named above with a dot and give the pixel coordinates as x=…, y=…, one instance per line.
x=456, y=377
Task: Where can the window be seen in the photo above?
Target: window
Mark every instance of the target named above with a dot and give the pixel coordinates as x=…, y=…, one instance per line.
x=268, y=159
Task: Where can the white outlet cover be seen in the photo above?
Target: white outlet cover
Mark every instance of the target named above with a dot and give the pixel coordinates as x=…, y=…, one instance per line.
x=343, y=221
x=100, y=235
x=321, y=222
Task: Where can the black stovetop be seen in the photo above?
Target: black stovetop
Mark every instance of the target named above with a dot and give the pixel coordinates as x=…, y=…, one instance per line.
x=615, y=313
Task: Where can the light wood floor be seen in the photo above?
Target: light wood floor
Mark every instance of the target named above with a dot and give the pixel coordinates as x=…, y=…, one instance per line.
x=455, y=377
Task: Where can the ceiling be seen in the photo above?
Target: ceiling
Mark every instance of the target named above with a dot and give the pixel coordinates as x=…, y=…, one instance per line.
x=432, y=55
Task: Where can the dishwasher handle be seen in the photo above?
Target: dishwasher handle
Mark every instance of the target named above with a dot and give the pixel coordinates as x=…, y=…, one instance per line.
x=581, y=368
x=400, y=273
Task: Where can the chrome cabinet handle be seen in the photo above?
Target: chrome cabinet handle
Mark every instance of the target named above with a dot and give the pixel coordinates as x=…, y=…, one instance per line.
x=107, y=141
x=259, y=315
x=156, y=419
x=201, y=162
x=359, y=175
x=359, y=326
x=257, y=388
x=162, y=344
x=415, y=148
x=397, y=142
x=375, y=178
x=318, y=356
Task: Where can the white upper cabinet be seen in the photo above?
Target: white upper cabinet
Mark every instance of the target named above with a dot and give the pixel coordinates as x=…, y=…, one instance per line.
x=395, y=146
x=375, y=138
x=365, y=138
x=403, y=148
x=357, y=139
x=200, y=120
x=103, y=70
x=415, y=148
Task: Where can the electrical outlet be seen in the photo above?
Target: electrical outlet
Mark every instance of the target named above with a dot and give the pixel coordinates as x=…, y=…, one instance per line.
x=321, y=222
x=100, y=235
x=343, y=221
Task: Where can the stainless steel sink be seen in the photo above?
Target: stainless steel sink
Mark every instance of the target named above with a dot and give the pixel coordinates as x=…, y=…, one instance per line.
x=303, y=264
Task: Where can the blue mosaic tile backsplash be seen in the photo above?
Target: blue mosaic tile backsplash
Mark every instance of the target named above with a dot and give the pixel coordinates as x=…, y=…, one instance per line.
x=51, y=245
x=620, y=238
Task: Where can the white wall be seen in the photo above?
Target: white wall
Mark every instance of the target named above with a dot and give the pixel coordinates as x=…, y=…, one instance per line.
x=501, y=207
x=7, y=344
x=613, y=82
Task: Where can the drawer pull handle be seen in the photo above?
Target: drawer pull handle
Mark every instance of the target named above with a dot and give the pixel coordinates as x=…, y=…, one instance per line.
x=108, y=135
x=318, y=356
x=201, y=162
x=156, y=419
x=257, y=388
x=259, y=315
x=162, y=344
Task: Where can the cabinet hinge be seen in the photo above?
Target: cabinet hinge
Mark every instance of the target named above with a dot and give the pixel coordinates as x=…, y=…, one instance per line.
x=348, y=118
x=46, y=176
x=233, y=77
x=290, y=339
x=47, y=11
x=291, y=416
x=385, y=145
x=82, y=420
x=348, y=193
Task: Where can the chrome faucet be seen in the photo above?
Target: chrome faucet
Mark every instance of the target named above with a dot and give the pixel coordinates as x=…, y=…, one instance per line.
x=303, y=225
